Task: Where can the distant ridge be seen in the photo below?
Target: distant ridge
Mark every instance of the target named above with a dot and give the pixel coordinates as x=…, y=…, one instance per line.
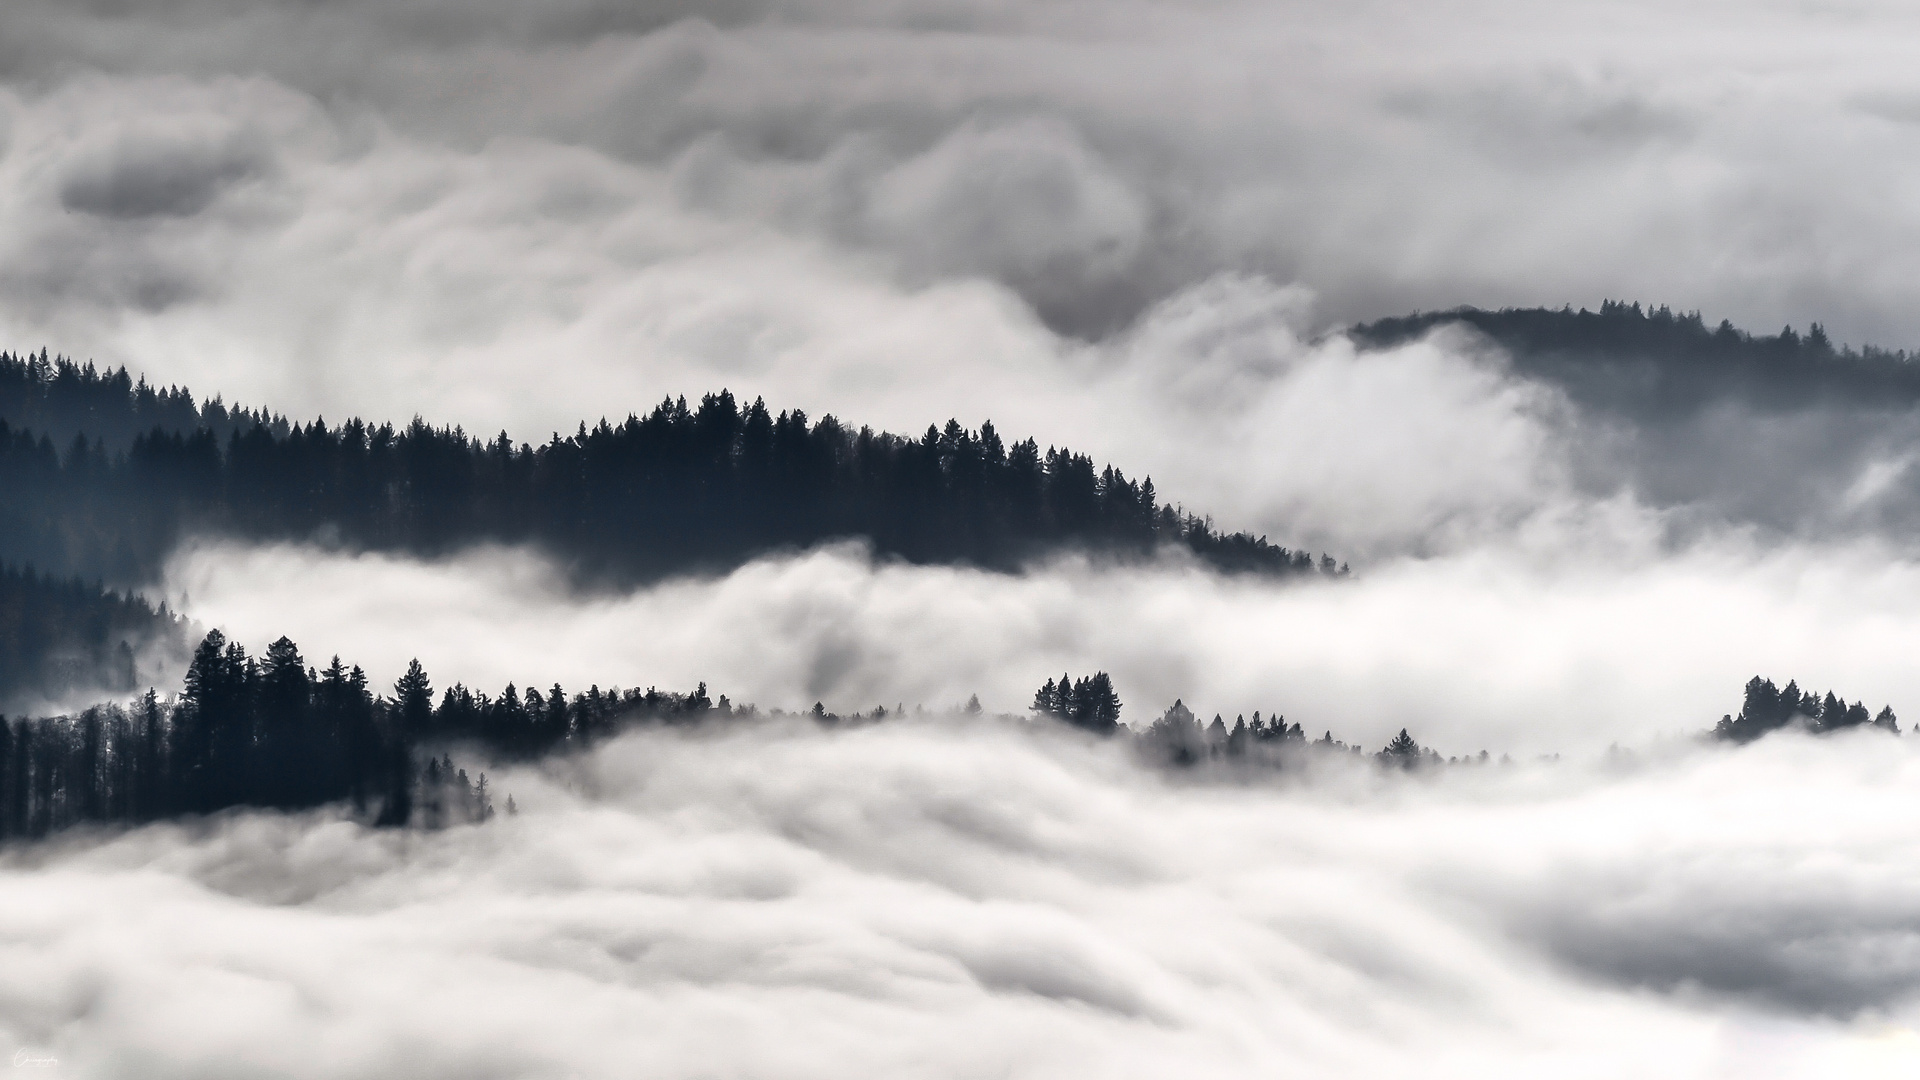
x=1627, y=357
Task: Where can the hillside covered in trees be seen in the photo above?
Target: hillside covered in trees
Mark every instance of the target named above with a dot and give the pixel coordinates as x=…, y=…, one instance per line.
x=273, y=731
x=60, y=399
x=1787, y=432
x=678, y=490
x=1649, y=360
x=60, y=638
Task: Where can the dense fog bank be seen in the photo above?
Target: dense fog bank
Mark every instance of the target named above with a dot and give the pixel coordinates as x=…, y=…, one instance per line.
x=1489, y=650
x=956, y=897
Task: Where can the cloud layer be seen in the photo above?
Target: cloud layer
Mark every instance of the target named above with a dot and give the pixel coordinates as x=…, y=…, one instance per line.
x=936, y=899
x=1118, y=224
x=1476, y=651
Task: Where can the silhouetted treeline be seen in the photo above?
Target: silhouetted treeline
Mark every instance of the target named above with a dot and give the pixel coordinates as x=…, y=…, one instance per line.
x=60, y=399
x=1655, y=360
x=59, y=637
x=1770, y=708
x=273, y=732
x=678, y=490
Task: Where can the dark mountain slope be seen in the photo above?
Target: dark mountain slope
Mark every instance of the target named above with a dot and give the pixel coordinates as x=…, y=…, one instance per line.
x=68, y=639
x=680, y=490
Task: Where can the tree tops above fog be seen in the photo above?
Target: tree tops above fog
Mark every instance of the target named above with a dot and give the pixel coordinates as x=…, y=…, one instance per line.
x=680, y=489
x=1769, y=708
x=272, y=731
x=1089, y=702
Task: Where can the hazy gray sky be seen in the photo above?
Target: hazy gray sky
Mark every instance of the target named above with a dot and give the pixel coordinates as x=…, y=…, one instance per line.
x=517, y=214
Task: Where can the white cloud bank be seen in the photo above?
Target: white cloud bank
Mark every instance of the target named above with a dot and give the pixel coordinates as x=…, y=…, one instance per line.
x=938, y=900
x=1482, y=650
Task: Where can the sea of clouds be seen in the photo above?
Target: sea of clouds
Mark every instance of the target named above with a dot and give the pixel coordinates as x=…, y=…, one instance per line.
x=957, y=897
x=1128, y=227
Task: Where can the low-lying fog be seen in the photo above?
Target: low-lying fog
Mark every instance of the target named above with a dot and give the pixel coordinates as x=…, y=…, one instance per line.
x=1476, y=651
x=960, y=897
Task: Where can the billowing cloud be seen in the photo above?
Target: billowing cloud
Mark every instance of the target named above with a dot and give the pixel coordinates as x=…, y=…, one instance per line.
x=1121, y=225
x=944, y=899
x=584, y=207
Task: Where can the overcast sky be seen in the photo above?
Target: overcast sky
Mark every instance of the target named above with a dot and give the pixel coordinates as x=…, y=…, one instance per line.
x=518, y=214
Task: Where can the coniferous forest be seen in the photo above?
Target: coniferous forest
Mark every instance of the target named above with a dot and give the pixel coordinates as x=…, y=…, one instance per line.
x=62, y=636
x=272, y=731
x=102, y=475
x=136, y=470
x=679, y=490
x=1626, y=356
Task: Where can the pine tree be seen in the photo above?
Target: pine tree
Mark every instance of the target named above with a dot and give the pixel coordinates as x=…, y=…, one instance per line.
x=1045, y=699
x=413, y=693
x=1402, y=752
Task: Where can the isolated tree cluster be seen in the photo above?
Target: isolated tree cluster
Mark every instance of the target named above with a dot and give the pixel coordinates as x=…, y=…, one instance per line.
x=1767, y=707
x=272, y=731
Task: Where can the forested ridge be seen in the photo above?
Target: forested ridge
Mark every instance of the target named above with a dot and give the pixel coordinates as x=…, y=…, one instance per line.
x=681, y=489
x=103, y=475
x=678, y=490
x=273, y=731
x=58, y=398
x=1653, y=360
